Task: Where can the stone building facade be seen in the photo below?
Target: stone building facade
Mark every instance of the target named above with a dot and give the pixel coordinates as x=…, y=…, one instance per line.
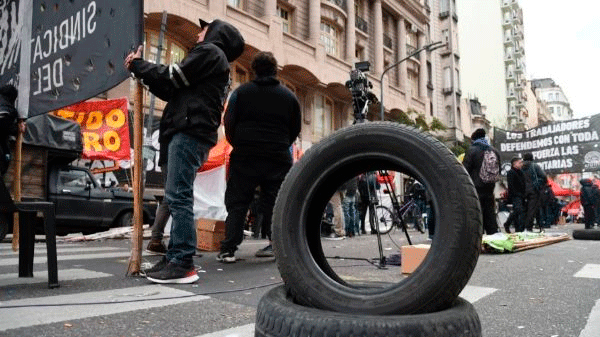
x=317, y=42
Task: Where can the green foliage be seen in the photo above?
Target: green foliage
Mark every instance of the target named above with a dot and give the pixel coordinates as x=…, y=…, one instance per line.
x=419, y=121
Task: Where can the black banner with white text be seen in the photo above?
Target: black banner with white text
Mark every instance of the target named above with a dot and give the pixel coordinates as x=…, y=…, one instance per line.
x=571, y=146
x=75, y=51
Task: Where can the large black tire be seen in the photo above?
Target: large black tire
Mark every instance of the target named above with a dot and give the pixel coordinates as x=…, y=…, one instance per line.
x=5, y=225
x=586, y=234
x=446, y=269
x=278, y=316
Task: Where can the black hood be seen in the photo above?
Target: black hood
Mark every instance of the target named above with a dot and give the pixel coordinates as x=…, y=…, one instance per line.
x=226, y=37
x=585, y=182
x=526, y=165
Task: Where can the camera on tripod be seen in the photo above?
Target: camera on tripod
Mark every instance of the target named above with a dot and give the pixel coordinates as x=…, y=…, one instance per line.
x=360, y=86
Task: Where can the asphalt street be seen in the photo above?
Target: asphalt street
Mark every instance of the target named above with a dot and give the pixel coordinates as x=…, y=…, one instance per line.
x=550, y=291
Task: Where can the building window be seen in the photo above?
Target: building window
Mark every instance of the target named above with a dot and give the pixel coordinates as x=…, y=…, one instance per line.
x=329, y=37
x=235, y=3
x=240, y=76
x=551, y=110
x=286, y=18
x=444, y=6
x=413, y=80
x=171, y=51
x=323, y=115
x=445, y=36
x=359, y=53
x=447, y=78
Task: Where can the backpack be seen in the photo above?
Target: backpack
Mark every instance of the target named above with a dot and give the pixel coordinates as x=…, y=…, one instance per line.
x=490, y=167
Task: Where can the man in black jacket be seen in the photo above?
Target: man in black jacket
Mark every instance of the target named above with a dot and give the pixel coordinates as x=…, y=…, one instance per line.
x=195, y=91
x=10, y=123
x=535, y=180
x=261, y=123
x=516, y=195
x=482, y=162
x=589, y=195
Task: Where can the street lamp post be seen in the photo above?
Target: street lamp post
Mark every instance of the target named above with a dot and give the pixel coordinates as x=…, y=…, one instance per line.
x=430, y=47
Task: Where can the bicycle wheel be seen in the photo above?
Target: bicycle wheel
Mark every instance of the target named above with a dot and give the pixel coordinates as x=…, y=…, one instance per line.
x=309, y=272
x=385, y=219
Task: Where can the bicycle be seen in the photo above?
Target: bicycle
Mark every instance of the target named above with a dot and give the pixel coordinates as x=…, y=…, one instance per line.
x=395, y=217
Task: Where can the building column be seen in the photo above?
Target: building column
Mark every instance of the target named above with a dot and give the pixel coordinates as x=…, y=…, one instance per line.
x=350, y=31
x=402, y=68
x=270, y=7
x=378, y=38
x=423, y=67
x=314, y=21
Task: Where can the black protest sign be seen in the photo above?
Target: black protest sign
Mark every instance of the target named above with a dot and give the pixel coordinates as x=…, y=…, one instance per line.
x=571, y=146
x=76, y=49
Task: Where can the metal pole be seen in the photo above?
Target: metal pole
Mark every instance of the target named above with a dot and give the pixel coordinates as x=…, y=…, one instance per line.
x=430, y=47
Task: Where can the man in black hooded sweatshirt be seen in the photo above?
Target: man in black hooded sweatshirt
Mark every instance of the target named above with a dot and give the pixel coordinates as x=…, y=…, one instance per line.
x=261, y=123
x=10, y=123
x=195, y=91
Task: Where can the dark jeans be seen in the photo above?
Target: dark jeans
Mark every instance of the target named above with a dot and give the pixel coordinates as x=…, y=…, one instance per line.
x=533, y=209
x=185, y=156
x=245, y=174
x=517, y=215
x=589, y=213
x=162, y=213
x=488, y=212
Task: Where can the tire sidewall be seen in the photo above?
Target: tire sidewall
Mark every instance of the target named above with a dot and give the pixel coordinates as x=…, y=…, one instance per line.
x=454, y=251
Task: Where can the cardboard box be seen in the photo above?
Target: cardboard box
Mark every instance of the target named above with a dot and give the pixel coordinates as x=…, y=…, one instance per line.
x=412, y=256
x=209, y=234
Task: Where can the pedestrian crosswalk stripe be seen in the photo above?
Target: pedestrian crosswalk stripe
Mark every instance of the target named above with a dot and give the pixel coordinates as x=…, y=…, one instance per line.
x=240, y=331
x=592, y=327
x=66, y=250
x=589, y=271
x=474, y=293
x=12, y=318
x=42, y=276
x=42, y=259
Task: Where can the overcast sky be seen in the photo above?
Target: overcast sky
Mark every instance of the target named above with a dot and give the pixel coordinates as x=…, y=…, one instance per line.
x=562, y=42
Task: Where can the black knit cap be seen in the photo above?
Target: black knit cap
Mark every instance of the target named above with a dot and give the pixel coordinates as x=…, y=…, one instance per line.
x=479, y=133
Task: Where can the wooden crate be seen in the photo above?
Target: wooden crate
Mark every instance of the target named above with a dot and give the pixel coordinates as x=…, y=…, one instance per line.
x=209, y=234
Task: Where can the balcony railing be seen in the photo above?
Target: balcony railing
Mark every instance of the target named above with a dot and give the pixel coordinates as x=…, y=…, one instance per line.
x=361, y=24
x=339, y=3
x=387, y=41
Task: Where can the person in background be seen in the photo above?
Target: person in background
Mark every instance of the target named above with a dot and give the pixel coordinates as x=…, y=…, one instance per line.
x=10, y=124
x=262, y=121
x=516, y=195
x=156, y=245
x=535, y=180
x=195, y=91
x=367, y=189
x=590, y=195
x=349, y=205
x=482, y=162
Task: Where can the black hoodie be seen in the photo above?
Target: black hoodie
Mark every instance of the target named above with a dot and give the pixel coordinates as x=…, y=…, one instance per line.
x=262, y=119
x=196, y=88
x=8, y=122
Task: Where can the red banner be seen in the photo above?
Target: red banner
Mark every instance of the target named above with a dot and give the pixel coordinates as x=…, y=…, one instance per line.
x=104, y=128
